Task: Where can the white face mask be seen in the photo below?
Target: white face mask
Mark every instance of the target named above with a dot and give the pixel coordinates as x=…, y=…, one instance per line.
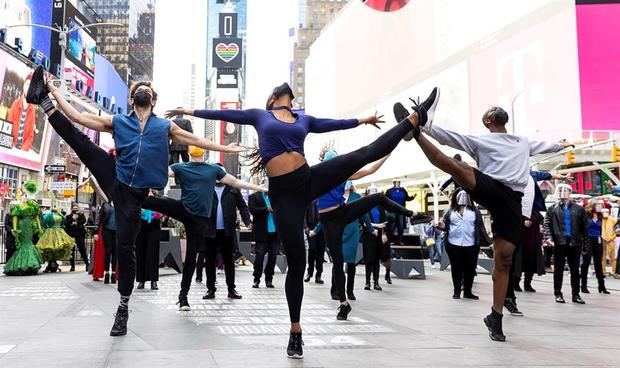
x=564, y=191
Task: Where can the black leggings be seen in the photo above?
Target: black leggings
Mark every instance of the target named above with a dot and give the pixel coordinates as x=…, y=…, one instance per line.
x=128, y=201
x=335, y=221
x=463, y=266
x=292, y=193
x=595, y=250
x=194, y=226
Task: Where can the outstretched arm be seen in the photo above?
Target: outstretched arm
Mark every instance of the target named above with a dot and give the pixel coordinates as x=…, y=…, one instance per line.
x=246, y=117
x=190, y=139
x=538, y=147
x=91, y=121
x=455, y=140
x=369, y=169
x=327, y=125
x=234, y=182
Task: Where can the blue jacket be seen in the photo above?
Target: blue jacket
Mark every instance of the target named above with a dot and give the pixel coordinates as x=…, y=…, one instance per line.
x=141, y=156
x=539, y=200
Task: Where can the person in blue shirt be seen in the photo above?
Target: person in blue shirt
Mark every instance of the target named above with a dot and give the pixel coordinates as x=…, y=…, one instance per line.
x=141, y=162
x=566, y=230
x=594, y=247
x=399, y=195
x=335, y=214
x=197, y=179
x=265, y=235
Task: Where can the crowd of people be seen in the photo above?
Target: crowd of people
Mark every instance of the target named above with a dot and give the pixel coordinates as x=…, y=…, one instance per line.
x=318, y=204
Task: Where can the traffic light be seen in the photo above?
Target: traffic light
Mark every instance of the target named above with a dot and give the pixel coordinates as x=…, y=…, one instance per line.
x=570, y=158
x=615, y=153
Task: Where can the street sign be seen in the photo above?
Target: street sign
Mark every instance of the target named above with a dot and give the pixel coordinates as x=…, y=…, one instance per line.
x=55, y=169
x=62, y=185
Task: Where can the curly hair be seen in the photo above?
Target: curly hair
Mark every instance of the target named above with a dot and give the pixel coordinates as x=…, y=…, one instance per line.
x=135, y=85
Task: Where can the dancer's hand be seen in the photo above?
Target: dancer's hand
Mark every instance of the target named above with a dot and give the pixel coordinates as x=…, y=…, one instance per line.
x=384, y=238
x=311, y=233
x=374, y=120
x=566, y=143
x=175, y=112
x=235, y=148
x=96, y=237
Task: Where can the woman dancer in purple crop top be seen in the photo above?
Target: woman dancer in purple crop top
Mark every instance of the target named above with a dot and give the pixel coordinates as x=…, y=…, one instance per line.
x=293, y=184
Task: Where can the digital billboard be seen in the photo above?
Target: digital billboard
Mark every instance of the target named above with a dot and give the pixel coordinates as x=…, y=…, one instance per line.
x=110, y=85
x=81, y=44
x=15, y=12
x=22, y=125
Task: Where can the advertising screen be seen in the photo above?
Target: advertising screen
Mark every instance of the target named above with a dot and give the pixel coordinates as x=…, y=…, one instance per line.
x=110, y=85
x=599, y=51
x=14, y=12
x=75, y=74
x=22, y=125
x=81, y=45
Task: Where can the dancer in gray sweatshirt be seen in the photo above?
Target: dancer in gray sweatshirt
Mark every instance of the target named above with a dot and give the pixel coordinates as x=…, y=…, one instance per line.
x=497, y=184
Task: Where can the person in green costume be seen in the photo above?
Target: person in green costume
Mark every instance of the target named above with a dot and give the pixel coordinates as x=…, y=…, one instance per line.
x=27, y=259
x=55, y=243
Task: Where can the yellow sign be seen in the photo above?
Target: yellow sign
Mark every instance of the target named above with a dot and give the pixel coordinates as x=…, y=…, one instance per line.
x=68, y=192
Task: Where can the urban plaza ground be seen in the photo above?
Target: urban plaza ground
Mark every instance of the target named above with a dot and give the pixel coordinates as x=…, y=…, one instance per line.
x=63, y=320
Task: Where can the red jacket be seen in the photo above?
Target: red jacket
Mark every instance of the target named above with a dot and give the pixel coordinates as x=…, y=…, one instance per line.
x=15, y=115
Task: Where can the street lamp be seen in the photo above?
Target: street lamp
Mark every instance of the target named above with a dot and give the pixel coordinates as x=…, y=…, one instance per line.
x=62, y=37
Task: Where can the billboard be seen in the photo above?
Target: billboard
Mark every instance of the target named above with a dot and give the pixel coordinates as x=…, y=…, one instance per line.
x=110, y=85
x=599, y=50
x=75, y=75
x=81, y=44
x=227, y=53
x=14, y=12
x=23, y=127
x=227, y=79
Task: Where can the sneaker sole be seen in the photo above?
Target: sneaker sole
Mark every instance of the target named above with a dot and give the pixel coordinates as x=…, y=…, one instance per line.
x=486, y=323
x=37, y=74
x=401, y=113
x=430, y=112
x=118, y=334
x=185, y=309
x=295, y=356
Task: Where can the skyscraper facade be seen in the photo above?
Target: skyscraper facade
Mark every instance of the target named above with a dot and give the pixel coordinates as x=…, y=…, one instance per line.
x=128, y=48
x=313, y=16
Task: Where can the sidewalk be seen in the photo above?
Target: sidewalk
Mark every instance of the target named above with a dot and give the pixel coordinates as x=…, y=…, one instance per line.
x=63, y=320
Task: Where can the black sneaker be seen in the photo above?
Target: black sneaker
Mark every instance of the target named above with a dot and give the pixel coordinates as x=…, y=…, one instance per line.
x=388, y=279
x=154, y=285
x=517, y=288
x=367, y=287
x=120, y=322
x=584, y=289
x=494, y=323
x=318, y=280
x=430, y=105
x=377, y=287
x=351, y=296
x=37, y=91
x=471, y=296
x=184, y=304
x=256, y=284
x=198, y=281
x=269, y=284
x=113, y=278
x=295, y=346
x=511, y=305
x=528, y=288
x=456, y=295
x=577, y=299
x=140, y=286
x=343, y=311
x=106, y=278
x=209, y=295
x=233, y=294
x=560, y=299
x=401, y=113
x=307, y=279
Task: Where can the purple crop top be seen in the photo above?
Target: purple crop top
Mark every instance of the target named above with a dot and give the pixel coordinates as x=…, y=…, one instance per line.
x=275, y=136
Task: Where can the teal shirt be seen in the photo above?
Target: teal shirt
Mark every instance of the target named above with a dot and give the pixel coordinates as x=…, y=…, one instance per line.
x=197, y=183
x=271, y=225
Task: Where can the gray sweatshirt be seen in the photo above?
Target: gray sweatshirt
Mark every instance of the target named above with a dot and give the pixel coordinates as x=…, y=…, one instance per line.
x=502, y=156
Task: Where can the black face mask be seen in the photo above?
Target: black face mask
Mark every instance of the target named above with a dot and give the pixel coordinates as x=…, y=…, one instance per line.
x=142, y=98
x=75, y=211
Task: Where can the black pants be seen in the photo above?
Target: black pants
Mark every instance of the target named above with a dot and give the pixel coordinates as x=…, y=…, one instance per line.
x=201, y=263
x=563, y=253
x=372, y=272
x=399, y=225
x=316, y=254
x=594, y=250
x=225, y=244
x=80, y=244
x=194, y=227
x=128, y=201
x=293, y=192
x=270, y=247
x=109, y=245
x=147, y=251
x=335, y=221
x=462, y=266
x=548, y=251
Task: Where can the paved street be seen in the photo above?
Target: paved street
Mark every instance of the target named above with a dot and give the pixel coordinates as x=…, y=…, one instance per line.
x=63, y=320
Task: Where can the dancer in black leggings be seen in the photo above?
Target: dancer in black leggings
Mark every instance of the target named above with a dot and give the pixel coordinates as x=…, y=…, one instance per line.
x=293, y=184
x=141, y=162
x=335, y=215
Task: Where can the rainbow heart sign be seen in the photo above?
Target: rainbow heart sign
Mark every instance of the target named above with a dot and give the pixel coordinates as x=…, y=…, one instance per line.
x=227, y=52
